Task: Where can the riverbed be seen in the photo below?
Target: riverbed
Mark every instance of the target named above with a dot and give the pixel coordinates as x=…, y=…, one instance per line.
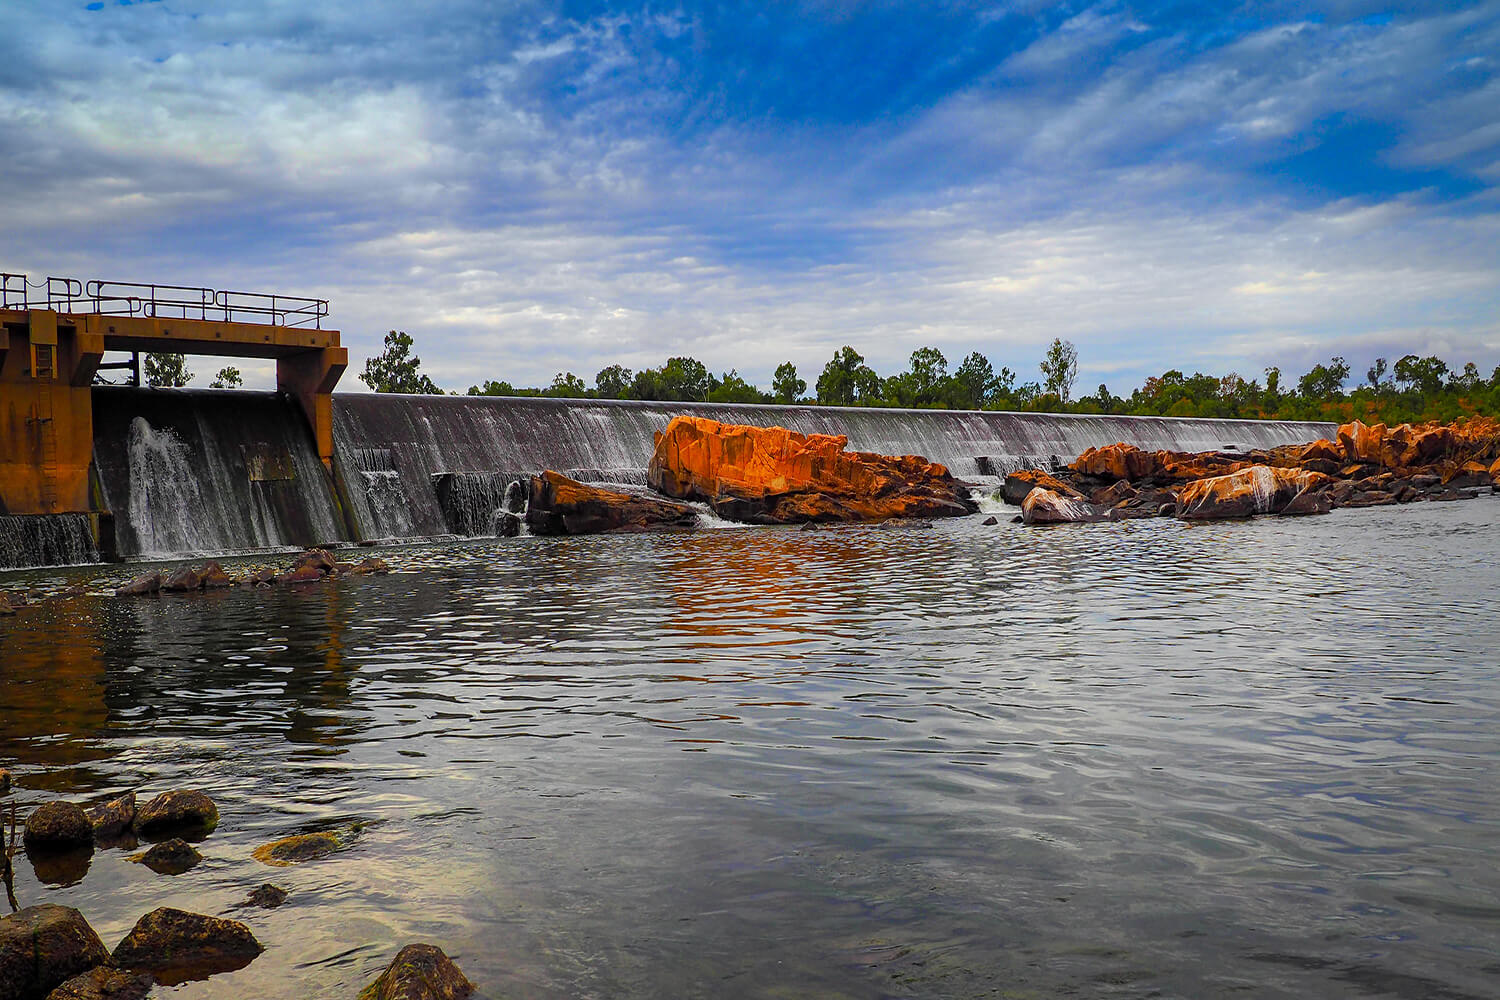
x=1137, y=759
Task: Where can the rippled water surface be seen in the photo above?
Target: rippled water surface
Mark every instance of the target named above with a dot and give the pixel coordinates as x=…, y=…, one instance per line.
x=1143, y=759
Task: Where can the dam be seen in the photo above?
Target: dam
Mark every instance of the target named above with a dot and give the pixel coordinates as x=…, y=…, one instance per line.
x=179, y=471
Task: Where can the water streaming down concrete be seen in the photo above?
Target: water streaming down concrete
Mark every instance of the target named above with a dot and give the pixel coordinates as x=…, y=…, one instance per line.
x=203, y=471
x=420, y=442
x=46, y=540
x=211, y=472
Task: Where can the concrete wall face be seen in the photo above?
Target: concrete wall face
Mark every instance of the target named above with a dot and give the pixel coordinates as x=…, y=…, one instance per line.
x=46, y=425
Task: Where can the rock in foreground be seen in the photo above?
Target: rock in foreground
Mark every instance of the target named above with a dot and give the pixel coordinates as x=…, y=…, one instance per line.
x=419, y=972
x=177, y=946
x=58, y=826
x=770, y=475
x=104, y=983
x=43, y=946
x=1044, y=506
x=562, y=506
x=298, y=848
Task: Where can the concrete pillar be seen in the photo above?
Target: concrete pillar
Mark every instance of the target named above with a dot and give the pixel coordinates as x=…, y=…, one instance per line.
x=310, y=377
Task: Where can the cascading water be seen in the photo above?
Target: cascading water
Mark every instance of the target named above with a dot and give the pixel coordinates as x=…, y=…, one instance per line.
x=189, y=472
x=426, y=438
x=46, y=540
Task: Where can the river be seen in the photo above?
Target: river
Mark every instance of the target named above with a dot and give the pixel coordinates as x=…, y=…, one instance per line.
x=1139, y=759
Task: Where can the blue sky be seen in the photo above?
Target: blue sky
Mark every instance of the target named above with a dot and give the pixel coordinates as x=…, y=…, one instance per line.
x=535, y=187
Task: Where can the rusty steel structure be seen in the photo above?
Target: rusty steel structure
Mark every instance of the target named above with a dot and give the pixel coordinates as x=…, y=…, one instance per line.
x=53, y=336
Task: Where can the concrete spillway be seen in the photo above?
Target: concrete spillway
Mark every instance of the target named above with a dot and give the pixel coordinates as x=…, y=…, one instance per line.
x=210, y=472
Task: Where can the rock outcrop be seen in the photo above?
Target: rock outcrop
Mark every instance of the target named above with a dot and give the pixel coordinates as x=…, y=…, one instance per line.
x=419, y=972
x=104, y=983
x=1259, y=489
x=562, y=506
x=1044, y=506
x=770, y=475
x=41, y=947
x=1018, y=484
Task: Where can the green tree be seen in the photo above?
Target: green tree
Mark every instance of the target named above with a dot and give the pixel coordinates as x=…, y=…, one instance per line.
x=734, y=389
x=679, y=380
x=397, y=369
x=974, y=382
x=1376, y=374
x=566, y=385
x=847, y=380
x=1424, y=375
x=785, y=384
x=228, y=378
x=1060, y=368
x=928, y=376
x=493, y=388
x=167, y=371
x=613, y=382
x=1324, y=382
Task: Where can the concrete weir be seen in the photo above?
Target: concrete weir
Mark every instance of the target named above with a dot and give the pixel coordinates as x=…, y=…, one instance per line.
x=112, y=472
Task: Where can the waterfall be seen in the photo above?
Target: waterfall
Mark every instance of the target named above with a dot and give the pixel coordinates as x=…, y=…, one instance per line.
x=46, y=540
x=441, y=453
x=194, y=472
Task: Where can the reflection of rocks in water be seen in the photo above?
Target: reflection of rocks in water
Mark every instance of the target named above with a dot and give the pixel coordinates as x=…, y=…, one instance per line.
x=176, y=946
x=62, y=868
x=170, y=857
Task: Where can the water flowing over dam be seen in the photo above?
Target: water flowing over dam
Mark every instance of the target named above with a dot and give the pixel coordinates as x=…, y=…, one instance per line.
x=193, y=471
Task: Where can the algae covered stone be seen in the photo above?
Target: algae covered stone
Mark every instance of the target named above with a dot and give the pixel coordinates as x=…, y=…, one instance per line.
x=170, y=857
x=58, y=826
x=419, y=972
x=177, y=946
x=104, y=983
x=298, y=848
x=182, y=809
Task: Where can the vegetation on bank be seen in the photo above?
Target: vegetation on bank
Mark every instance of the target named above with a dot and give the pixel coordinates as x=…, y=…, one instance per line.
x=1413, y=389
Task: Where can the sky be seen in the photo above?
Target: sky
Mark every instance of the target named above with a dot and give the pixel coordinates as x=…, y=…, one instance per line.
x=535, y=187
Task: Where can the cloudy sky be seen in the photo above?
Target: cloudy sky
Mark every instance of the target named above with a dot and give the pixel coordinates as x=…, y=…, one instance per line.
x=535, y=187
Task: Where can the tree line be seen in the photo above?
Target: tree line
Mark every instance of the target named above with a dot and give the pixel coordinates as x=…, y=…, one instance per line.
x=1413, y=388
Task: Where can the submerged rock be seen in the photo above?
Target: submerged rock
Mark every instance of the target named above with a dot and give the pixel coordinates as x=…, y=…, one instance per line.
x=182, y=580
x=58, y=826
x=141, y=586
x=1259, y=489
x=104, y=983
x=1307, y=502
x=177, y=946
x=213, y=577
x=267, y=896
x=990, y=521
x=114, y=818
x=1043, y=506
x=299, y=848
x=184, y=809
x=770, y=475
x=419, y=972
x=4, y=781
x=302, y=574
x=41, y=947
x=369, y=566
x=6, y=608
x=563, y=506
x=170, y=857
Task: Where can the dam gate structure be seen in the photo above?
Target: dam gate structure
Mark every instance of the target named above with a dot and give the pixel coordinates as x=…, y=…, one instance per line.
x=54, y=334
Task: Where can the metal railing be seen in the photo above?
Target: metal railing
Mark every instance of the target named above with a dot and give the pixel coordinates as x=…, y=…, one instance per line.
x=129, y=298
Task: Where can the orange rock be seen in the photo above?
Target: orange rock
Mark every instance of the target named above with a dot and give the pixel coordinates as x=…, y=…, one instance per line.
x=1406, y=445
x=770, y=475
x=1118, y=461
x=1495, y=471
x=1323, y=451
x=562, y=506
x=1362, y=443
x=1259, y=489
x=1023, y=481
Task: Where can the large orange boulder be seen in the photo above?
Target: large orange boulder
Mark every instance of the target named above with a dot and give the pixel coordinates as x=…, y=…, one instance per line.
x=770, y=475
x=1410, y=446
x=1118, y=461
x=562, y=506
x=1260, y=489
x=1361, y=442
x=1323, y=451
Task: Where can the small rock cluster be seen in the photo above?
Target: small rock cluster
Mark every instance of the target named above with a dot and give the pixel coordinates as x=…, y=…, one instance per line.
x=1366, y=467
x=312, y=566
x=50, y=952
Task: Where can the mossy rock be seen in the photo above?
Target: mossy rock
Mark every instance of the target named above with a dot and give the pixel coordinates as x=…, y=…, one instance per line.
x=176, y=946
x=419, y=972
x=183, y=810
x=299, y=848
x=43, y=946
